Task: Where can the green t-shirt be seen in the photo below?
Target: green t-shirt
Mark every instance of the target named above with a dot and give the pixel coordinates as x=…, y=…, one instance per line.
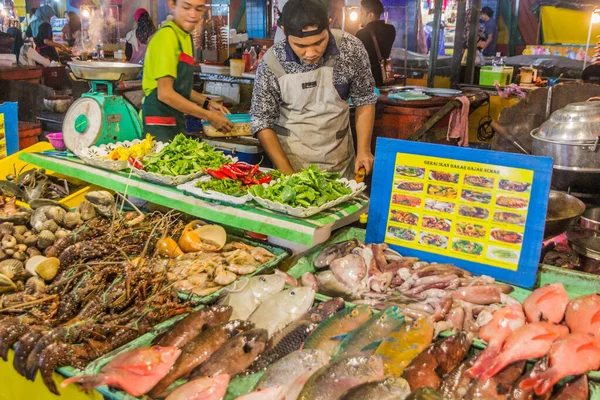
x=162, y=55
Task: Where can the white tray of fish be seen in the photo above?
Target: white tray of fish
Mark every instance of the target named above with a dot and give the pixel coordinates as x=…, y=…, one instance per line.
x=97, y=156
x=191, y=189
x=304, y=212
x=169, y=180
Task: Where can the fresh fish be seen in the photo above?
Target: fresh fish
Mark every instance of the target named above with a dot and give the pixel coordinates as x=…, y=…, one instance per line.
x=574, y=354
x=504, y=321
x=389, y=389
x=333, y=330
x=282, y=308
x=498, y=387
x=583, y=315
x=425, y=393
x=330, y=286
x=135, y=371
x=547, y=303
x=270, y=393
x=457, y=382
x=246, y=294
x=485, y=294
x=293, y=371
x=199, y=350
x=335, y=251
x=577, y=389
x=350, y=271
x=428, y=368
x=337, y=377
x=190, y=326
x=235, y=355
x=521, y=394
x=310, y=280
x=367, y=338
x=529, y=341
x=291, y=338
x=289, y=280
x=403, y=344
x=213, y=388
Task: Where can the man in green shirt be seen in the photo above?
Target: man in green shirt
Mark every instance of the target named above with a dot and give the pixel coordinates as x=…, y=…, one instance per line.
x=168, y=77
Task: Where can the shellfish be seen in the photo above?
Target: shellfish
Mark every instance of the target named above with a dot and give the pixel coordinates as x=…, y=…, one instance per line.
x=12, y=268
x=45, y=239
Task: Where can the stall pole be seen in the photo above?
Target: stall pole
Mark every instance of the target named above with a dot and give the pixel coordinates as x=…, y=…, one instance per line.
x=513, y=33
x=406, y=43
x=593, y=16
x=435, y=43
x=458, y=42
x=470, y=72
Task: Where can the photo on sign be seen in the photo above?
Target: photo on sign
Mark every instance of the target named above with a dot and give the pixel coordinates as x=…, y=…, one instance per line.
x=408, y=201
x=505, y=236
x=467, y=247
x=402, y=233
x=413, y=172
x=442, y=191
x=476, y=197
x=470, y=229
x=404, y=217
x=510, y=218
x=440, y=206
x=502, y=254
x=443, y=177
x=409, y=186
x=437, y=223
x=473, y=212
x=432, y=239
x=514, y=186
x=512, y=202
x=479, y=181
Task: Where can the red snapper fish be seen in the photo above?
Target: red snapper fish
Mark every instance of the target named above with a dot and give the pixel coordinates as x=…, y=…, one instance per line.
x=583, y=315
x=504, y=321
x=213, y=388
x=547, y=303
x=135, y=371
x=574, y=354
x=529, y=341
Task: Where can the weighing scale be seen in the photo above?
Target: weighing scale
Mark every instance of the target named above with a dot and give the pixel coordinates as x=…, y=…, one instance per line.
x=100, y=117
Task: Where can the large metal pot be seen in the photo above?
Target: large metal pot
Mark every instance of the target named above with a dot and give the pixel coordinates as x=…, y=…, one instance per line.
x=571, y=137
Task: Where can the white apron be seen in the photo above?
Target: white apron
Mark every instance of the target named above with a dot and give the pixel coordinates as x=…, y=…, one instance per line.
x=314, y=121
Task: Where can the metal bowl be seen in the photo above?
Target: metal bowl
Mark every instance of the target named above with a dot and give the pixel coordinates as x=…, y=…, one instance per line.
x=563, y=210
x=591, y=218
x=576, y=122
x=104, y=70
x=586, y=243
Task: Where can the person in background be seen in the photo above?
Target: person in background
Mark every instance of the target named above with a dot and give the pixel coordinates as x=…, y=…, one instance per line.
x=43, y=36
x=490, y=32
x=42, y=15
x=137, y=39
x=385, y=34
x=169, y=74
x=24, y=52
x=300, y=110
x=71, y=32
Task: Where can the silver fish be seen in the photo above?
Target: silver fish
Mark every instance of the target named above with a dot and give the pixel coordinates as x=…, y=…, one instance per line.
x=245, y=295
x=335, y=251
x=282, y=308
x=389, y=389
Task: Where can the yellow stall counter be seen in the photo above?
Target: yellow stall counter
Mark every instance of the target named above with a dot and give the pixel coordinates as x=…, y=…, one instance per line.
x=16, y=387
x=497, y=104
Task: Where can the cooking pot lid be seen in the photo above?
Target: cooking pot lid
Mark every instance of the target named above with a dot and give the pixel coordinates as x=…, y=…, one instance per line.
x=574, y=123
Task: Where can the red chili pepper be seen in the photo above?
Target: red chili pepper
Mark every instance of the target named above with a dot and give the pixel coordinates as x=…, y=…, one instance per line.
x=228, y=172
x=236, y=170
x=242, y=166
x=254, y=170
x=137, y=164
x=216, y=174
x=265, y=179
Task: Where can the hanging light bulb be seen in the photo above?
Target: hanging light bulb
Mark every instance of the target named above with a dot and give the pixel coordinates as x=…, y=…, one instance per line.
x=86, y=13
x=353, y=16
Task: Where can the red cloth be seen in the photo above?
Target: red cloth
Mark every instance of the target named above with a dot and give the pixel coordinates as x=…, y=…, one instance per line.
x=458, y=127
x=139, y=12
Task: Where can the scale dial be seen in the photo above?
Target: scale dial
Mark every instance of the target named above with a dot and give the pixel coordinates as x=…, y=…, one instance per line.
x=83, y=125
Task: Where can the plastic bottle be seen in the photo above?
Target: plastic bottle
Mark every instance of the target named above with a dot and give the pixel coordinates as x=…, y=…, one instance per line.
x=253, y=55
x=497, y=61
x=246, y=58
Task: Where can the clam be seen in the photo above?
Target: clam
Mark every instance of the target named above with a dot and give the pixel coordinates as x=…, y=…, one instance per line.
x=45, y=239
x=33, y=251
x=56, y=214
x=61, y=233
x=31, y=240
x=7, y=228
x=8, y=242
x=20, y=238
x=46, y=268
x=3, y=255
x=6, y=284
x=20, y=229
x=34, y=285
x=86, y=210
x=103, y=202
x=12, y=268
x=19, y=255
x=22, y=247
x=72, y=220
x=50, y=225
x=47, y=213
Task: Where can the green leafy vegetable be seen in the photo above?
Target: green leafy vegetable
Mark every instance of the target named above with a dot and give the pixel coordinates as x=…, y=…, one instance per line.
x=226, y=186
x=308, y=188
x=184, y=156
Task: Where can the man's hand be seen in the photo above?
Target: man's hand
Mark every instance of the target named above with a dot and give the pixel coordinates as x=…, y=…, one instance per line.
x=214, y=106
x=219, y=121
x=364, y=159
x=481, y=44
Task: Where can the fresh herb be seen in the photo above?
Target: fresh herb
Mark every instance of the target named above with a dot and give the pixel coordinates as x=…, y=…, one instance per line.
x=226, y=186
x=308, y=188
x=184, y=156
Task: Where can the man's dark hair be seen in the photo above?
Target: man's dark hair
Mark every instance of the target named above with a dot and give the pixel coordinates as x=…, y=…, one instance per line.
x=301, y=14
x=374, y=6
x=487, y=11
